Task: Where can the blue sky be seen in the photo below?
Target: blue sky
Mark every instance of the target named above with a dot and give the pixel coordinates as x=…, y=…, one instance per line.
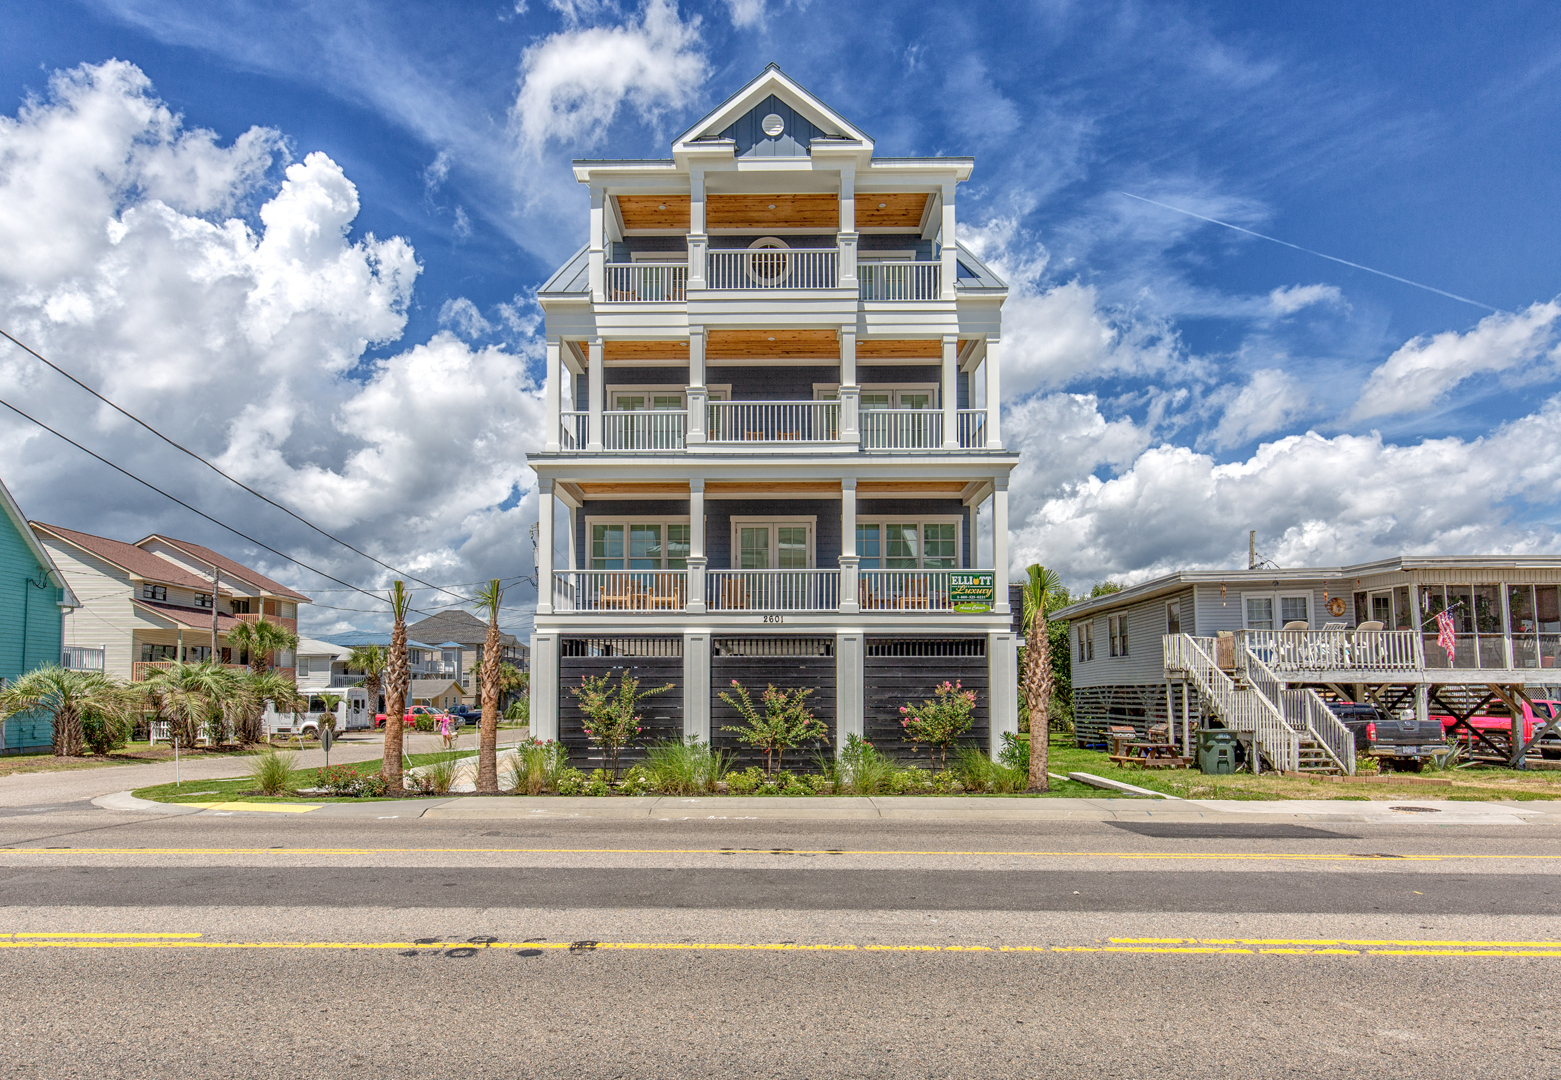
x=1167, y=372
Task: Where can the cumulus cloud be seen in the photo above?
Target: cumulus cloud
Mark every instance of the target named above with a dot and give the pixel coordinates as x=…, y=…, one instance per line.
x=461, y=315
x=746, y=13
x=1271, y=400
x=1288, y=299
x=246, y=338
x=1519, y=344
x=573, y=83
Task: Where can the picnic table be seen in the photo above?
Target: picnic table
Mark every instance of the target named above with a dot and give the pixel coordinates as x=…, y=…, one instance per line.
x=1150, y=755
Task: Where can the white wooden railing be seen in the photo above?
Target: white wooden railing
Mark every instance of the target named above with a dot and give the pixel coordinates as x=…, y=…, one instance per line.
x=772, y=590
x=901, y=429
x=1368, y=651
x=81, y=658
x=620, y=590
x=1304, y=708
x=773, y=421
x=1239, y=710
x=644, y=429
x=896, y=280
x=972, y=429
x=573, y=428
x=647, y=281
x=907, y=590
x=773, y=268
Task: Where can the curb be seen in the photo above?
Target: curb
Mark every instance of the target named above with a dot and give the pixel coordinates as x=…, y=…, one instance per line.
x=124, y=801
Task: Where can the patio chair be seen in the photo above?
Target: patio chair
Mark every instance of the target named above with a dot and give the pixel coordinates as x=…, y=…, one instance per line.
x=1367, y=651
x=615, y=594
x=1298, y=624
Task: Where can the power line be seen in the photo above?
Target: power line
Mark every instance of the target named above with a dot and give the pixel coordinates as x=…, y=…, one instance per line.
x=185, y=450
x=187, y=506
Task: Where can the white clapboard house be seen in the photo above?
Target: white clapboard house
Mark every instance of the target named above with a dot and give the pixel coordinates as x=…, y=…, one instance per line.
x=772, y=419
x=1263, y=651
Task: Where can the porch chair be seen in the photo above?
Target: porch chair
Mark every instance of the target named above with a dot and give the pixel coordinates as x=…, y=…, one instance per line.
x=1367, y=651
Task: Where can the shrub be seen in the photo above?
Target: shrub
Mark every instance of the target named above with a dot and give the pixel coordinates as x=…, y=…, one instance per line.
x=341, y=780
x=536, y=766
x=105, y=731
x=785, y=723
x=911, y=781
x=570, y=782
x=638, y=781
x=863, y=770
x=977, y=772
x=1015, y=753
x=937, y=724
x=686, y=767
x=745, y=782
x=274, y=773
x=422, y=722
x=612, y=719
x=374, y=786
x=519, y=711
x=438, y=776
x=598, y=786
x=945, y=783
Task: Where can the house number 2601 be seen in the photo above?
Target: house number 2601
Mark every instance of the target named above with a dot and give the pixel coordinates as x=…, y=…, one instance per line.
x=774, y=618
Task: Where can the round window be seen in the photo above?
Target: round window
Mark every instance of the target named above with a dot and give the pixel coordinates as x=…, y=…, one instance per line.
x=768, y=262
x=772, y=125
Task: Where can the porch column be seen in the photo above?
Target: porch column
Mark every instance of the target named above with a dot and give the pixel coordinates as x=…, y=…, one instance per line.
x=544, y=545
x=696, y=550
x=849, y=559
x=950, y=392
x=696, y=686
x=950, y=267
x=993, y=376
x=1002, y=651
x=849, y=710
x=596, y=388
x=574, y=534
x=551, y=395
x=850, y=393
x=1000, y=544
x=598, y=253
x=698, y=241
x=846, y=240
x=544, y=687
x=698, y=395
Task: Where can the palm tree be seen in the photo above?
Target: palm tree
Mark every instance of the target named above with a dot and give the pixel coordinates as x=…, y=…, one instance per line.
x=262, y=687
x=260, y=639
x=67, y=696
x=197, y=697
x=1042, y=584
x=369, y=659
x=488, y=601
x=396, y=681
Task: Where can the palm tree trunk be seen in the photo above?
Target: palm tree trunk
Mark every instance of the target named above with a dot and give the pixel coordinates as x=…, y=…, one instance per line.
x=1037, y=697
x=396, y=677
x=488, y=725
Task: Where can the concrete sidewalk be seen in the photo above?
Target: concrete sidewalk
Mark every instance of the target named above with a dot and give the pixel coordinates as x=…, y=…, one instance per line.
x=926, y=808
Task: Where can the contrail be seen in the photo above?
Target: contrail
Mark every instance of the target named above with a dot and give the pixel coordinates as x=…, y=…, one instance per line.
x=1309, y=251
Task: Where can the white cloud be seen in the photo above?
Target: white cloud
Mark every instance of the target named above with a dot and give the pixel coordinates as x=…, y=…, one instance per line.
x=463, y=224
x=1288, y=299
x=746, y=13
x=462, y=316
x=437, y=172
x=1271, y=400
x=1524, y=344
x=245, y=341
x=574, y=82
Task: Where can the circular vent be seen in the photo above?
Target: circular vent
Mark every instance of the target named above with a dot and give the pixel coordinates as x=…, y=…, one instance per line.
x=768, y=261
x=772, y=125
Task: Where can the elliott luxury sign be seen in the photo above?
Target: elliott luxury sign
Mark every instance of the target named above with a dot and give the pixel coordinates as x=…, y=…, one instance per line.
x=972, y=590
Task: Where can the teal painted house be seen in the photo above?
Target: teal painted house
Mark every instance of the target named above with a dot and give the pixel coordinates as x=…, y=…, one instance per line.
x=33, y=596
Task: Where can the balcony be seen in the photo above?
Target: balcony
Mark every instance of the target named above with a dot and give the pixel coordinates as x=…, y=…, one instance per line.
x=773, y=268
x=772, y=590
x=1387, y=653
x=757, y=591
x=900, y=280
x=81, y=658
x=772, y=421
x=620, y=590
x=750, y=423
x=647, y=282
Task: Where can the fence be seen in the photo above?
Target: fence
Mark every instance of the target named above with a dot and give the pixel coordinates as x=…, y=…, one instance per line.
x=901, y=429
x=647, y=281
x=893, y=280
x=773, y=268
x=640, y=429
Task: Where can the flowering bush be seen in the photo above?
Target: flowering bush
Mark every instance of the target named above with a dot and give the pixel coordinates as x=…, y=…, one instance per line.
x=341, y=780
x=373, y=786
x=612, y=719
x=784, y=724
x=938, y=724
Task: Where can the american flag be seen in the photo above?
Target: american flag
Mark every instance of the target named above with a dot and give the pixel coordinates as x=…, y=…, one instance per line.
x=1444, y=633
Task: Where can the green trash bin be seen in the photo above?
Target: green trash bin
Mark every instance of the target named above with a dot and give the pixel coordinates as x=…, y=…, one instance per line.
x=1217, y=751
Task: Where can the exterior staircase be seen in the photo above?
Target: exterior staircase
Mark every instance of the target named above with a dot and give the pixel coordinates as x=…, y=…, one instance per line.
x=1294, y=729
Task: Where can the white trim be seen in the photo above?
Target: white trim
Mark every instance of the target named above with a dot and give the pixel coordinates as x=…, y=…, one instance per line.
x=895, y=389
x=909, y=255
x=1275, y=596
x=626, y=520
x=811, y=521
x=665, y=390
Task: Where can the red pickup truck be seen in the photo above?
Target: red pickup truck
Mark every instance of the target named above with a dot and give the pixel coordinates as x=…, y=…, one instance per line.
x=1496, y=724
x=410, y=716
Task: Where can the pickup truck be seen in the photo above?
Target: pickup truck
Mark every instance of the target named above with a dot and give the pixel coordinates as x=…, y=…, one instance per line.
x=1401, y=742
x=410, y=716
x=1497, y=726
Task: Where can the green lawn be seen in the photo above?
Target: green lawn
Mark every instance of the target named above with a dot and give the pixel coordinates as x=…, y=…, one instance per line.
x=204, y=791
x=136, y=753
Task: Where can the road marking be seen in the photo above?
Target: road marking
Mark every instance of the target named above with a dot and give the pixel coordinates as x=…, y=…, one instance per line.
x=95, y=934
x=1135, y=946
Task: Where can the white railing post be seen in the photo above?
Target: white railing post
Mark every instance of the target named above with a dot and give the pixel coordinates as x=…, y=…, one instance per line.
x=850, y=393
x=849, y=568
x=950, y=392
x=846, y=238
x=552, y=405
x=697, y=240
x=697, y=565
x=598, y=254
x=949, y=252
x=596, y=390
x=697, y=392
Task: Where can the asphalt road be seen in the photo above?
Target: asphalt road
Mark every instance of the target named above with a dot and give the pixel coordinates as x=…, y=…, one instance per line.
x=280, y=946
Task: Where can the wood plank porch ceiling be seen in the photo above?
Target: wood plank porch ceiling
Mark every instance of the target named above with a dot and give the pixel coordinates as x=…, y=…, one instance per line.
x=772, y=345
x=726, y=489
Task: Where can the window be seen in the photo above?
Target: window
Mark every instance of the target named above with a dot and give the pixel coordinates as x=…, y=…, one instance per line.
x=1272, y=611
x=154, y=653
x=639, y=545
x=203, y=600
x=636, y=402
x=1173, y=617
x=154, y=592
x=885, y=396
x=1117, y=626
x=786, y=544
x=1294, y=609
x=1086, y=641
x=239, y=607
x=909, y=545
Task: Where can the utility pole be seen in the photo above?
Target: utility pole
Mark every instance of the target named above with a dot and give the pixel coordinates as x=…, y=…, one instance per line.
x=1252, y=549
x=216, y=656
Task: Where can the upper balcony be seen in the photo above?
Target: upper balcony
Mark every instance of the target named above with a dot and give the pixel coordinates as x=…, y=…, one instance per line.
x=775, y=271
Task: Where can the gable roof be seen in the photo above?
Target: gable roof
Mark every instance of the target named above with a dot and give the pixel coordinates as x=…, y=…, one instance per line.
x=228, y=566
x=129, y=558
x=24, y=529
x=822, y=121
x=308, y=646
x=458, y=626
x=353, y=638
x=192, y=617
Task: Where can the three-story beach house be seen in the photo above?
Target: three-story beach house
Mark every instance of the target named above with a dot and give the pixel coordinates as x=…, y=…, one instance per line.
x=772, y=418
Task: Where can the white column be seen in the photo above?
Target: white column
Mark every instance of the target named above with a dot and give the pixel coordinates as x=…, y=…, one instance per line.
x=950, y=392
x=696, y=686
x=552, y=395
x=598, y=256
x=544, y=545
x=1000, y=544
x=697, y=393
x=697, y=240
x=596, y=388
x=849, y=708
x=989, y=368
x=850, y=393
x=696, y=549
x=574, y=534
x=850, y=561
x=949, y=270
x=544, y=686
x=1002, y=652
x=846, y=241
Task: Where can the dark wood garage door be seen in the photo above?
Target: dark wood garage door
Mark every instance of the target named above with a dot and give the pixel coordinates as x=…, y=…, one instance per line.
x=655, y=661
x=786, y=662
x=904, y=671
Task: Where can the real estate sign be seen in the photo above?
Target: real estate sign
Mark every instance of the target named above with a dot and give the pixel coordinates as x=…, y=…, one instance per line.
x=972, y=590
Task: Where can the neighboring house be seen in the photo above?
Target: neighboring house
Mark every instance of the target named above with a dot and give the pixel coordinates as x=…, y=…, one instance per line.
x=160, y=600
x=1369, y=632
x=424, y=661
x=434, y=693
x=33, y=597
x=771, y=416
x=323, y=666
x=471, y=633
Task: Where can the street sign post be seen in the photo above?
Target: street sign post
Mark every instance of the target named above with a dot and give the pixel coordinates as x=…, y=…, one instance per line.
x=972, y=591
x=325, y=743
